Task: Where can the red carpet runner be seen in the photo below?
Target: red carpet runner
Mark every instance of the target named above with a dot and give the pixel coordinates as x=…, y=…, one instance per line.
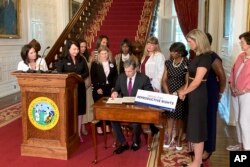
x=121, y=22
x=11, y=137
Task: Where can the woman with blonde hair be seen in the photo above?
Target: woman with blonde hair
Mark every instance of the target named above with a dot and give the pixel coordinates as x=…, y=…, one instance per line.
x=152, y=63
x=103, y=74
x=197, y=93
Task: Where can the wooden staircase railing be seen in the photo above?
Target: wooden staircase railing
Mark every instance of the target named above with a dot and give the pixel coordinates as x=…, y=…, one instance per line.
x=87, y=21
x=82, y=25
x=146, y=21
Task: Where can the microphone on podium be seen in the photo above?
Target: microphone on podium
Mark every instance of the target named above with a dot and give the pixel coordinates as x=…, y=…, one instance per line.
x=39, y=65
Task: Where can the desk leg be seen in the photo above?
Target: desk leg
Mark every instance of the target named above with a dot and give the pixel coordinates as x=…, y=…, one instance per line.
x=160, y=147
x=93, y=126
x=105, y=135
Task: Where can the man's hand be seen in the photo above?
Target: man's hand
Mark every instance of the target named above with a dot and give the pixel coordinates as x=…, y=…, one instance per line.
x=99, y=91
x=114, y=95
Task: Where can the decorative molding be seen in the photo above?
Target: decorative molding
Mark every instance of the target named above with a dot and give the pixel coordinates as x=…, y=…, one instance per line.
x=248, y=16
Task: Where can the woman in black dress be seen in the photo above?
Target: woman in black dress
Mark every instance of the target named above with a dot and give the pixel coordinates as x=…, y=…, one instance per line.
x=174, y=77
x=197, y=93
x=71, y=61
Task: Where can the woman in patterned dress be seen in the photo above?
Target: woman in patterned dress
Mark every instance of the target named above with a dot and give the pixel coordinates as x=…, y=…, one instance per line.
x=174, y=78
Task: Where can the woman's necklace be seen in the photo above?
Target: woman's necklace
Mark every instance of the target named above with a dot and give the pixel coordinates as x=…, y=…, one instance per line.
x=32, y=65
x=176, y=65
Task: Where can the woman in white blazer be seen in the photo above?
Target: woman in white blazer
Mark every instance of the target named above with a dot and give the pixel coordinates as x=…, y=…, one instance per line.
x=152, y=63
x=30, y=60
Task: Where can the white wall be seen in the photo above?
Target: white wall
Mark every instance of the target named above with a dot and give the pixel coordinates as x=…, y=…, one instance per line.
x=40, y=19
x=227, y=48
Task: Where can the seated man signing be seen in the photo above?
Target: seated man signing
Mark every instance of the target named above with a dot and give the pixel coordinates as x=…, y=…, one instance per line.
x=128, y=84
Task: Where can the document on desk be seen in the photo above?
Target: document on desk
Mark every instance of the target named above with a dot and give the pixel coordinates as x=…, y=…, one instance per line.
x=121, y=100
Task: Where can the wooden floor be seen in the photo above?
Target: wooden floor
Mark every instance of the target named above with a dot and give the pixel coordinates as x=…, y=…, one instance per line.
x=226, y=135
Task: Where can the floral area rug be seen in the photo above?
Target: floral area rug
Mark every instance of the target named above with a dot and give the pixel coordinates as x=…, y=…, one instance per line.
x=9, y=114
x=170, y=157
x=175, y=158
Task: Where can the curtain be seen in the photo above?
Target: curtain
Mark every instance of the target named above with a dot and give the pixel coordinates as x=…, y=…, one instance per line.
x=187, y=13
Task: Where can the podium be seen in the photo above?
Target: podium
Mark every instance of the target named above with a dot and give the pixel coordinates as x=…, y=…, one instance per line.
x=49, y=114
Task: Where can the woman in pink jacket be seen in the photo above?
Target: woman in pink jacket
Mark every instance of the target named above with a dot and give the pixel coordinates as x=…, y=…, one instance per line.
x=240, y=89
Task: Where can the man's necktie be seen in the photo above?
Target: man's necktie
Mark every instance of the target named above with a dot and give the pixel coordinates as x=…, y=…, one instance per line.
x=130, y=87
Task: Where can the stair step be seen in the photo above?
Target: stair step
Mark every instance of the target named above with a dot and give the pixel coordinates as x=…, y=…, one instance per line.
x=122, y=17
x=121, y=22
x=123, y=12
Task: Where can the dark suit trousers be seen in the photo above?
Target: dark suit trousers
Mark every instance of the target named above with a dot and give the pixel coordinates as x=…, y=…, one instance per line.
x=119, y=135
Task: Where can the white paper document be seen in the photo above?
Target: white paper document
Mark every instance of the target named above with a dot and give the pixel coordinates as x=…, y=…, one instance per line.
x=121, y=100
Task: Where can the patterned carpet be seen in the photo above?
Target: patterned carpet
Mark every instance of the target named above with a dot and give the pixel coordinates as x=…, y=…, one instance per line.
x=170, y=157
x=9, y=114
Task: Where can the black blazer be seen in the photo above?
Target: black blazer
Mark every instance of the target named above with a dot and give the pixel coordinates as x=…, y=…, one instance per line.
x=98, y=76
x=66, y=65
x=141, y=82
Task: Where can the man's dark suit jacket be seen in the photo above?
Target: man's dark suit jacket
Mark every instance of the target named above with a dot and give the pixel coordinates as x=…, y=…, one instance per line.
x=141, y=82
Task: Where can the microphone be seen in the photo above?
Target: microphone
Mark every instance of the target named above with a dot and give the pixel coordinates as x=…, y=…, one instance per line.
x=39, y=65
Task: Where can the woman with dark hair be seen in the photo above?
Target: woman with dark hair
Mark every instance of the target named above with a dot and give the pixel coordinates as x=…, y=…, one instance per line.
x=71, y=61
x=102, y=40
x=88, y=117
x=125, y=54
x=83, y=49
x=30, y=60
x=239, y=82
x=174, y=77
x=216, y=82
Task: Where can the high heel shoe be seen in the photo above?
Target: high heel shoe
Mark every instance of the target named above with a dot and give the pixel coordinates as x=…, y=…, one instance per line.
x=99, y=131
x=81, y=139
x=186, y=165
x=168, y=145
x=206, y=158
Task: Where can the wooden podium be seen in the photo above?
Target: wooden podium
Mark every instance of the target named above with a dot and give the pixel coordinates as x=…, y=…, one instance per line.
x=49, y=114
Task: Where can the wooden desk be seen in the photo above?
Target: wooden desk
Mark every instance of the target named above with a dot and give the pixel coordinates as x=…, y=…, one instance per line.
x=127, y=113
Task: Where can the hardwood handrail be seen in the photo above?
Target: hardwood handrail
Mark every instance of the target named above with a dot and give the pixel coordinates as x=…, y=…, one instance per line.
x=76, y=27
x=144, y=28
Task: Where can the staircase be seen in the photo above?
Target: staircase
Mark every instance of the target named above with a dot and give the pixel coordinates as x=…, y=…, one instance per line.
x=118, y=19
x=121, y=22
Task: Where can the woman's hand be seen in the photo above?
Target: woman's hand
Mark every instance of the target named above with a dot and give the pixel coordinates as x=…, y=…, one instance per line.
x=181, y=95
x=156, y=90
x=234, y=91
x=99, y=91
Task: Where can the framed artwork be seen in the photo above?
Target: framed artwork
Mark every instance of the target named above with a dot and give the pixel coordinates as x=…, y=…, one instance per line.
x=206, y=16
x=226, y=25
x=9, y=19
x=73, y=7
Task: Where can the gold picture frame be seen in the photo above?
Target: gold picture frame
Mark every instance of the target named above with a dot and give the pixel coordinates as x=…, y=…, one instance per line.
x=206, y=22
x=73, y=7
x=10, y=19
x=226, y=21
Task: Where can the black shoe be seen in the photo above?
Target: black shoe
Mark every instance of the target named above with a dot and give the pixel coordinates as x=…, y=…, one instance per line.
x=186, y=165
x=121, y=149
x=135, y=147
x=154, y=129
x=208, y=156
x=191, y=153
